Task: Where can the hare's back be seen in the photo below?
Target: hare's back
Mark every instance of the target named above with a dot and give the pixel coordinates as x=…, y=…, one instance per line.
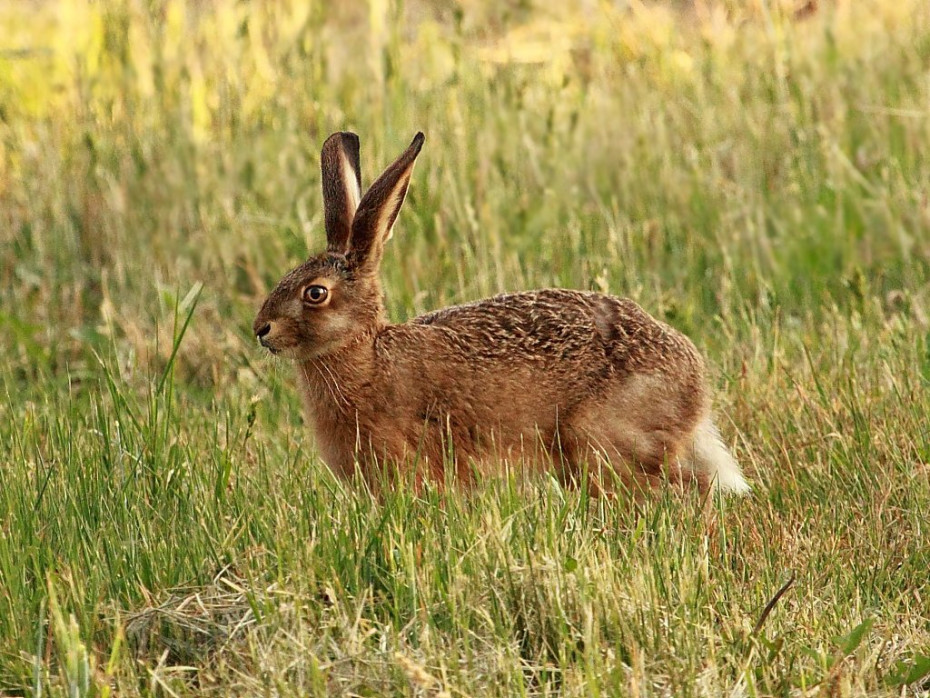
x=563, y=325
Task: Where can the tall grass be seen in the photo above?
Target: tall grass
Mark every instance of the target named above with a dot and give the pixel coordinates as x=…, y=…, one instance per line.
x=753, y=175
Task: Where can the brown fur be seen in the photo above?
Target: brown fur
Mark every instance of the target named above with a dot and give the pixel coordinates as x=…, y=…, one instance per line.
x=549, y=378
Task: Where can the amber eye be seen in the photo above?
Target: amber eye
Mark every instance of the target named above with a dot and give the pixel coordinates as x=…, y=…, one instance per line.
x=315, y=294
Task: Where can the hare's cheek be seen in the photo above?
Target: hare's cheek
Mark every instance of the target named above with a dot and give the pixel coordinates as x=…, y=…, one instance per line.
x=325, y=331
x=333, y=325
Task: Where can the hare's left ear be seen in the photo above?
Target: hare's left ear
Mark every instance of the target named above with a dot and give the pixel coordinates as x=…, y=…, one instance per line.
x=378, y=209
x=342, y=188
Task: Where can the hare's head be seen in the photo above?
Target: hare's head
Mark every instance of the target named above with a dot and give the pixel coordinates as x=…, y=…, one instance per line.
x=335, y=296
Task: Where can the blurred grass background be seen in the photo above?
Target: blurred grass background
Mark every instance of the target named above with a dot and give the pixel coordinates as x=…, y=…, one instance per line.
x=755, y=173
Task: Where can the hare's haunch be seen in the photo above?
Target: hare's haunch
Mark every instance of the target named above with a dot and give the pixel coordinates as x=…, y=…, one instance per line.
x=550, y=378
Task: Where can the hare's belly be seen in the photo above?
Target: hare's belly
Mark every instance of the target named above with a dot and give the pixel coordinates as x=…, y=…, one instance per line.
x=484, y=448
x=487, y=434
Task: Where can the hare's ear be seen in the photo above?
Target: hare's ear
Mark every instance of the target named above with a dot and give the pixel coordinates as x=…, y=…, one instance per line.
x=342, y=188
x=374, y=219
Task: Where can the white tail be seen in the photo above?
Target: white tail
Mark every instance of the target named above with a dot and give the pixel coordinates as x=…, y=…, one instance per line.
x=711, y=460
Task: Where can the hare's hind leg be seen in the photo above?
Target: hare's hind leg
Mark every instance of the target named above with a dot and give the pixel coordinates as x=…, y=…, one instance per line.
x=641, y=428
x=619, y=458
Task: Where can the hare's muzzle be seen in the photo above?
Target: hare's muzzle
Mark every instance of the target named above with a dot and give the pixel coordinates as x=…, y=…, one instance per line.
x=262, y=332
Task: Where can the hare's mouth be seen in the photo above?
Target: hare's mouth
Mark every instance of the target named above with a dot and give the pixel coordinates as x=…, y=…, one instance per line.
x=287, y=351
x=271, y=346
x=275, y=350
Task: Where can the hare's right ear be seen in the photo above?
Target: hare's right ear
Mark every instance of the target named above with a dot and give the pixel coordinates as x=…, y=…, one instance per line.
x=378, y=209
x=342, y=188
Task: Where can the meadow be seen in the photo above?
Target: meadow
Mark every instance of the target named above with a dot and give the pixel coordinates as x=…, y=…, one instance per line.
x=754, y=173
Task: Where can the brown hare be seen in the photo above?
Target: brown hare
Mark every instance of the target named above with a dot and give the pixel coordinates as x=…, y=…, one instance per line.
x=547, y=379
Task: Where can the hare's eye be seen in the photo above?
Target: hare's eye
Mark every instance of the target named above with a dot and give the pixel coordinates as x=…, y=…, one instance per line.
x=316, y=294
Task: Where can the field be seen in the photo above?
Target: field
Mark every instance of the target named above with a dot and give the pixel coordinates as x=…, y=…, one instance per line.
x=755, y=174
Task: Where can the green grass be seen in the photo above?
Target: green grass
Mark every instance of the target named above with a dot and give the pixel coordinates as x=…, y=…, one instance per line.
x=759, y=181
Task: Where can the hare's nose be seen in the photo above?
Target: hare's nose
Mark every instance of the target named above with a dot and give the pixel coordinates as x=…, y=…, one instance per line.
x=262, y=331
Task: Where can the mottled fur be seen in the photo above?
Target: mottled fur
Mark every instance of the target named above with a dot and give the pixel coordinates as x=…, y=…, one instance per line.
x=551, y=378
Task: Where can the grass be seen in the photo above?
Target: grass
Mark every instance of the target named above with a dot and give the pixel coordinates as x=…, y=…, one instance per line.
x=757, y=178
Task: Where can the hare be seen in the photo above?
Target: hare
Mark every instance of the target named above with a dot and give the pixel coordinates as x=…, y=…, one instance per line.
x=551, y=378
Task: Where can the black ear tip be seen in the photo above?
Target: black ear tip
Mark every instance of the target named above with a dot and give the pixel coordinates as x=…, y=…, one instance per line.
x=418, y=141
x=344, y=137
